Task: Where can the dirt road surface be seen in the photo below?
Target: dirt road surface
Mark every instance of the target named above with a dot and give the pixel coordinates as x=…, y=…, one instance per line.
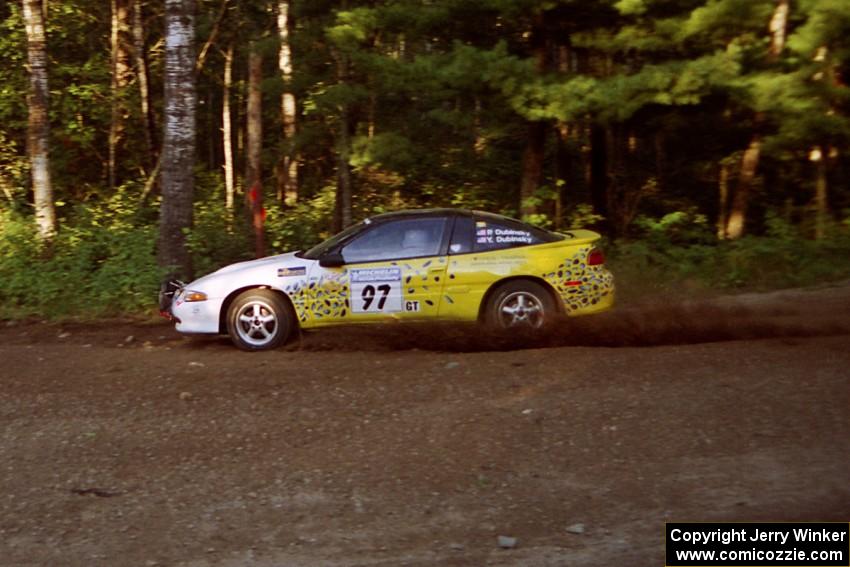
x=125, y=444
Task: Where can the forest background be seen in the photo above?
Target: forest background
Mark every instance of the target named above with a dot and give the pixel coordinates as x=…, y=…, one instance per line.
x=706, y=139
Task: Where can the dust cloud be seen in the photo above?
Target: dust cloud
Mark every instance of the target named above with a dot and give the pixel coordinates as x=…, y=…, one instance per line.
x=646, y=325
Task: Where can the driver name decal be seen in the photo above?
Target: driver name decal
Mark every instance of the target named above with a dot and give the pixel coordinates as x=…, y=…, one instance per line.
x=502, y=236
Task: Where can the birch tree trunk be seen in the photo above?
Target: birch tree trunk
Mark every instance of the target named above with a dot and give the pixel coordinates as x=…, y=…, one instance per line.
x=121, y=70
x=38, y=132
x=736, y=220
x=287, y=167
x=253, y=166
x=178, y=152
x=227, y=130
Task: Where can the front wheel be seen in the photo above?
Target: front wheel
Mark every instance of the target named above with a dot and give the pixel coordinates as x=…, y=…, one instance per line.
x=260, y=320
x=520, y=305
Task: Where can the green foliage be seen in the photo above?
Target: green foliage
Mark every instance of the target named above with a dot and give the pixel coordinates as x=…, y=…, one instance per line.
x=678, y=253
x=93, y=268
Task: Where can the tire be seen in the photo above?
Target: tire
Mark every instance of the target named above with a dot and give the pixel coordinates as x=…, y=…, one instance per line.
x=520, y=305
x=259, y=319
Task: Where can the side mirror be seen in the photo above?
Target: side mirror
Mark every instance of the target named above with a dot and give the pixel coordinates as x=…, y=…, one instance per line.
x=332, y=260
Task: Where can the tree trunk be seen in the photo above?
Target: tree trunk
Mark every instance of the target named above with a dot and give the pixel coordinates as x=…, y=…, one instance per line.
x=723, y=200
x=227, y=131
x=38, y=132
x=287, y=167
x=740, y=202
x=535, y=142
x=532, y=167
x=479, y=140
x=819, y=157
x=202, y=56
x=142, y=75
x=737, y=219
x=178, y=152
x=661, y=165
x=254, y=150
x=563, y=171
x=778, y=27
x=343, y=216
x=599, y=170
x=121, y=72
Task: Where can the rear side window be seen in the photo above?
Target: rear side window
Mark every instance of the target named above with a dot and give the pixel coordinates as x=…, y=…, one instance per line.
x=485, y=233
x=482, y=234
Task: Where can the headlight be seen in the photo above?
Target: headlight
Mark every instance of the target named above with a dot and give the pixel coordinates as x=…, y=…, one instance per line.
x=190, y=296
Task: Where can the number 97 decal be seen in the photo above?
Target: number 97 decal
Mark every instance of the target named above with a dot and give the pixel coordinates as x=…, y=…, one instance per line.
x=368, y=296
x=376, y=290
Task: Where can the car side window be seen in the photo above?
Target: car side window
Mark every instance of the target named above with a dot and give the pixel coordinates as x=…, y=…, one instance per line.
x=463, y=236
x=404, y=238
x=499, y=234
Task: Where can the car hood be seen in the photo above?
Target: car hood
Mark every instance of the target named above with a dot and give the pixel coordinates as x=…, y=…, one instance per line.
x=281, y=261
x=263, y=271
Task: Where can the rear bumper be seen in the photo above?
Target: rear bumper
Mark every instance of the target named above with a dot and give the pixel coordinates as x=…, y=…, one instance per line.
x=604, y=303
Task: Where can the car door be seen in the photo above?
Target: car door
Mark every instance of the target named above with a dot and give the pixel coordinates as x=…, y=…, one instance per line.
x=482, y=251
x=394, y=270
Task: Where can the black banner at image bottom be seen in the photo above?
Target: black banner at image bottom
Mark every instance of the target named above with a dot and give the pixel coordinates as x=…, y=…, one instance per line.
x=739, y=544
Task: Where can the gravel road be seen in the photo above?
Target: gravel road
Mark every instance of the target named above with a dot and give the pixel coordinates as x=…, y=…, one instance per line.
x=123, y=443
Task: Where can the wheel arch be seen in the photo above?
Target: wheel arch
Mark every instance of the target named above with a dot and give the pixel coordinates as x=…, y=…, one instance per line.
x=494, y=287
x=225, y=305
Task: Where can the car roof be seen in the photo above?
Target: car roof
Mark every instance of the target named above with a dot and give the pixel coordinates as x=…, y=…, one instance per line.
x=434, y=212
x=437, y=212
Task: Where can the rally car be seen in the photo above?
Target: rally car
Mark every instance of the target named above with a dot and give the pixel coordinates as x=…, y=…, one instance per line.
x=418, y=265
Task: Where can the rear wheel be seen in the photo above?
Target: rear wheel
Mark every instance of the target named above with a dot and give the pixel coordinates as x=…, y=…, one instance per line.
x=260, y=320
x=520, y=305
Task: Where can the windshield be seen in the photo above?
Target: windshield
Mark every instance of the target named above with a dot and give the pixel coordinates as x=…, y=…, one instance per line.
x=318, y=250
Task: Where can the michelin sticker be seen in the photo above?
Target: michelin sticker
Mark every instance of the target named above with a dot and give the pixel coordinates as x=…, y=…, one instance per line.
x=376, y=290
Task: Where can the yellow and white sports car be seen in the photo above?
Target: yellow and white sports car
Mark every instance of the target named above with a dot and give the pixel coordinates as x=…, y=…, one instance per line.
x=418, y=265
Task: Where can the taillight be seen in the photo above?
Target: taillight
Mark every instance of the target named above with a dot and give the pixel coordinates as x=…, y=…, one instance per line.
x=595, y=257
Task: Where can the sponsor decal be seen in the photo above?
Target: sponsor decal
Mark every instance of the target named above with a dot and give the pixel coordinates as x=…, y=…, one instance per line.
x=500, y=261
x=376, y=275
x=295, y=271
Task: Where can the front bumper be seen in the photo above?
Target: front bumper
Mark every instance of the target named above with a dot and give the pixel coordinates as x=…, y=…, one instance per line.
x=197, y=317
x=167, y=292
x=191, y=317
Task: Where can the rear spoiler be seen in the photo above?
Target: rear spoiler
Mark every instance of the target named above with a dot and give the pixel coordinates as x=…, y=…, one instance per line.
x=580, y=236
